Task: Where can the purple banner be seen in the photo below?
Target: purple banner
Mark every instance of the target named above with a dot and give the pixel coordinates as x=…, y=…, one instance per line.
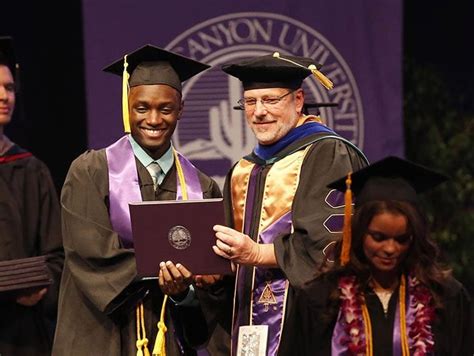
x=358, y=43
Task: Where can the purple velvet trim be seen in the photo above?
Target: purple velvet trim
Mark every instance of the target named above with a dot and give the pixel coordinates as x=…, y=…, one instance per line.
x=335, y=199
x=335, y=223
x=274, y=314
x=193, y=185
x=123, y=187
x=271, y=314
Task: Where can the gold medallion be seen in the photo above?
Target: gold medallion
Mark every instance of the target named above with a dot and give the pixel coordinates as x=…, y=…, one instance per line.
x=267, y=297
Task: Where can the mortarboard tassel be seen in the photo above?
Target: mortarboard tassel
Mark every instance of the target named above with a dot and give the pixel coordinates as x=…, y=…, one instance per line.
x=160, y=343
x=347, y=230
x=325, y=81
x=125, y=89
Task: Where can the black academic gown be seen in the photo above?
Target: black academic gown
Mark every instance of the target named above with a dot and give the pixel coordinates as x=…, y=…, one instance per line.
x=29, y=226
x=317, y=315
x=99, y=288
x=299, y=253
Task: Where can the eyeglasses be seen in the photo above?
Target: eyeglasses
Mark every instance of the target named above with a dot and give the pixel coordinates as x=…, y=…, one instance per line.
x=267, y=101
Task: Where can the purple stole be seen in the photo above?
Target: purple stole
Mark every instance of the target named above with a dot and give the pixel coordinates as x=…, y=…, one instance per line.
x=338, y=349
x=269, y=285
x=124, y=185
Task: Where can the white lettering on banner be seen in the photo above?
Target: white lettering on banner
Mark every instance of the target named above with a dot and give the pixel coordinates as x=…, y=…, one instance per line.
x=214, y=133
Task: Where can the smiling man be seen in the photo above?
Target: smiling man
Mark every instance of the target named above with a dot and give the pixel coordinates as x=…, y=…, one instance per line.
x=282, y=211
x=104, y=308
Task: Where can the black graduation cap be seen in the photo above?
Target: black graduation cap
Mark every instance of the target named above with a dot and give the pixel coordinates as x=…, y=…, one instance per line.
x=391, y=178
x=150, y=65
x=153, y=65
x=275, y=71
x=7, y=53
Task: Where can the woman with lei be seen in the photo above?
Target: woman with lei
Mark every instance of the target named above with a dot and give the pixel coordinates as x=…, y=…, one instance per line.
x=387, y=294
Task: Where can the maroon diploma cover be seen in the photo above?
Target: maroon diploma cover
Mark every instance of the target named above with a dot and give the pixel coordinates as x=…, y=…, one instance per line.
x=179, y=231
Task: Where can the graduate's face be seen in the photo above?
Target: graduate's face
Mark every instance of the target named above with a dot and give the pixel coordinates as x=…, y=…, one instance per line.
x=7, y=95
x=386, y=242
x=270, y=123
x=154, y=112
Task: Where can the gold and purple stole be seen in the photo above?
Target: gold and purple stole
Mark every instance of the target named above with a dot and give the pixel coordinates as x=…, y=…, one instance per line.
x=340, y=336
x=269, y=286
x=124, y=186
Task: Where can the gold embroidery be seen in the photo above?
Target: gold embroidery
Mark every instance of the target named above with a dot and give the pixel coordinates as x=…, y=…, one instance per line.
x=267, y=297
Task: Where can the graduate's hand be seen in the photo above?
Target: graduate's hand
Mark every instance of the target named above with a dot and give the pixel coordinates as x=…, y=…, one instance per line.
x=174, y=279
x=31, y=299
x=235, y=246
x=205, y=281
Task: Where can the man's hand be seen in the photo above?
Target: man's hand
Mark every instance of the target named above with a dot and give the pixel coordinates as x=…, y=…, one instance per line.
x=174, y=279
x=205, y=281
x=240, y=248
x=31, y=299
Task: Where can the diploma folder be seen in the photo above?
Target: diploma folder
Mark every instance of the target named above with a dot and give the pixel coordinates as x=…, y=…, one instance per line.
x=179, y=231
x=22, y=275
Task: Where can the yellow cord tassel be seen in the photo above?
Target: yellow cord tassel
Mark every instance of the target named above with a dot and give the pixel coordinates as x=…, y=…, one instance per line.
x=125, y=89
x=142, y=342
x=160, y=342
x=347, y=230
x=325, y=81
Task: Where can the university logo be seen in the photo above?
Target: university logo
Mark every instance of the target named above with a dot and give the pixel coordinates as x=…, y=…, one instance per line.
x=214, y=135
x=179, y=237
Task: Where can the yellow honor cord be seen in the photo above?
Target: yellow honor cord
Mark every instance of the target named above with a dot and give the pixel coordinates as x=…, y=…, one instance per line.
x=347, y=229
x=125, y=90
x=160, y=343
x=367, y=330
x=182, y=181
x=403, y=323
x=142, y=341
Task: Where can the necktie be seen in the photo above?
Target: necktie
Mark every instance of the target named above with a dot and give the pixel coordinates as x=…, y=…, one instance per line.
x=154, y=169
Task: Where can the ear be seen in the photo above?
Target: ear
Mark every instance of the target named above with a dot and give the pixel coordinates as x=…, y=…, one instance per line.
x=299, y=100
x=181, y=107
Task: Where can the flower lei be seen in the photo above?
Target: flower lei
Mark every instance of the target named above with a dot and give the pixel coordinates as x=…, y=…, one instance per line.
x=357, y=333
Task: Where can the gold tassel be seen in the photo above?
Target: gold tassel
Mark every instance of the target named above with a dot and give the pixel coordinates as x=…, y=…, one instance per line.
x=141, y=343
x=367, y=330
x=125, y=89
x=160, y=343
x=403, y=322
x=325, y=81
x=347, y=230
